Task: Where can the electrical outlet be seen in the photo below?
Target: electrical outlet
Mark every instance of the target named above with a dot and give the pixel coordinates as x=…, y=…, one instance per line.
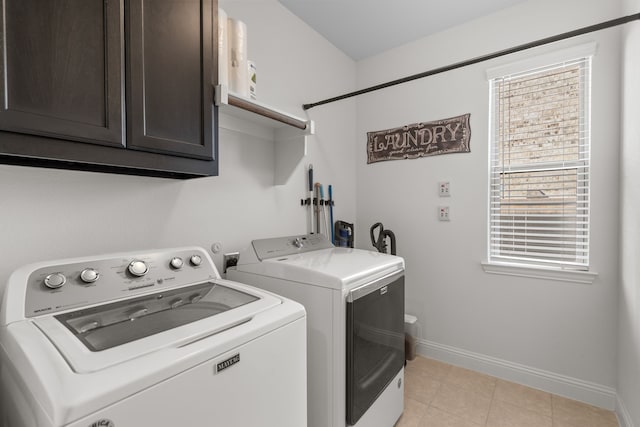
x=443, y=213
x=443, y=189
x=230, y=260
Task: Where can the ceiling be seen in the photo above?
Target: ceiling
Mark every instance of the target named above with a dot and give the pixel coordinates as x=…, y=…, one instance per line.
x=363, y=28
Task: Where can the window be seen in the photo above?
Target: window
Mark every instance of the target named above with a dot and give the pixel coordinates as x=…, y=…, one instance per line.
x=539, y=166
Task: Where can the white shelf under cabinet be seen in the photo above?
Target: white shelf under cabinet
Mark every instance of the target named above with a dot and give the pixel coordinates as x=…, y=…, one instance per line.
x=288, y=132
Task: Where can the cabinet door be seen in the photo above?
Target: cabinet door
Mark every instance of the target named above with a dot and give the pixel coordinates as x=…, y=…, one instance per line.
x=169, y=88
x=61, y=64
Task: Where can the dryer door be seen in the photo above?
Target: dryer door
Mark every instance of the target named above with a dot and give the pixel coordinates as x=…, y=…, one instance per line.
x=375, y=341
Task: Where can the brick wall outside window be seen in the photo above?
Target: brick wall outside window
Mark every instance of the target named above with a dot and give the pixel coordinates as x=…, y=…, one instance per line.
x=540, y=166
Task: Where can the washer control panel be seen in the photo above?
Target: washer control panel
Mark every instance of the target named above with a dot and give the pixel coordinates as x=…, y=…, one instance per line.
x=64, y=286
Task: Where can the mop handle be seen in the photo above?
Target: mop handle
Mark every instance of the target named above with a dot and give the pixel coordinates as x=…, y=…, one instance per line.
x=311, y=194
x=333, y=238
x=324, y=219
x=317, y=207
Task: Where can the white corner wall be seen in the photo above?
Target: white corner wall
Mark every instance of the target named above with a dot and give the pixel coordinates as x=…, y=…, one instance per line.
x=50, y=214
x=553, y=335
x=629, y=298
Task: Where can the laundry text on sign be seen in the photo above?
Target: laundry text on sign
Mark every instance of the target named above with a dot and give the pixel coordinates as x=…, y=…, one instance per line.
x=420, y=140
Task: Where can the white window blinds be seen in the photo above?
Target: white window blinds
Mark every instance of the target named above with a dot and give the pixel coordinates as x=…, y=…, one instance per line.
x=539, y=166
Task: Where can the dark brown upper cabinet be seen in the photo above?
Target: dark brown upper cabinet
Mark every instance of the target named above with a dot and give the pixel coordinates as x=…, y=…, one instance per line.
x=63, y=70
x=109, y=85
x=169, y=83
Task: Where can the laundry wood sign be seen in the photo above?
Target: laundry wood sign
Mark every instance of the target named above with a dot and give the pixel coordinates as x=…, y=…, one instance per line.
x=420, y=140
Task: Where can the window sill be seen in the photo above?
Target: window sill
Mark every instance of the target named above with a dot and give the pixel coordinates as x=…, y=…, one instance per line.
x=574, y=276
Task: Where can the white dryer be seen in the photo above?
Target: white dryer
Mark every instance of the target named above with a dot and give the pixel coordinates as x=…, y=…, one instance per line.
x=148, y=339
x=355, y=317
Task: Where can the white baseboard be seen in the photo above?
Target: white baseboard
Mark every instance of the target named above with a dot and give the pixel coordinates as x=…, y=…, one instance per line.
x=572, y=388
x=624, y=419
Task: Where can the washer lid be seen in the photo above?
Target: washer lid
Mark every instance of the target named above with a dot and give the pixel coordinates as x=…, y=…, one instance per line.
x=336, y=268
x=94, y=338
x=109, y=325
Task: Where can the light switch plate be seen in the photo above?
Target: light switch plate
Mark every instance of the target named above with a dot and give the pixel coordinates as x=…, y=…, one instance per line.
x=443, y=213
x=443, y=189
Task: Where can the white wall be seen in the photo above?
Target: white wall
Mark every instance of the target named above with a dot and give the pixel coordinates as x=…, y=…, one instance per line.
x=562, y=328
x=555, y=335
x=629, y=306
x=49, y=214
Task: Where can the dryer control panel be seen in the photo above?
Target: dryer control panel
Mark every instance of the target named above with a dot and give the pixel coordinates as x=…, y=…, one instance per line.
x=62, y=286
x=284, y=246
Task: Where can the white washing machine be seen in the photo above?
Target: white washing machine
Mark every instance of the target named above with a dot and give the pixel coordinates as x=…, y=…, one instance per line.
x=148, y=339
x=355, y=317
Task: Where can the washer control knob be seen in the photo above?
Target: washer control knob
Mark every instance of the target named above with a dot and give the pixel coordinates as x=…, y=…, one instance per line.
x=297, y=242
x=55, y=280
x=176, y=263
x=195, y=260
x=138, y=268
x=89, y=275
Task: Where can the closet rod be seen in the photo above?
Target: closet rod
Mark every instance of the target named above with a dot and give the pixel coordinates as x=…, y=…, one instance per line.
x=540, y=42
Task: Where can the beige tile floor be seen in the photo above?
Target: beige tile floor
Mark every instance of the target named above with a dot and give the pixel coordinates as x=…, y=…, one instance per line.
x=441, y=395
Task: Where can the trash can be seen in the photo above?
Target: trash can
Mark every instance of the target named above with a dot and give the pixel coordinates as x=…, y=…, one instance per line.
x=410, y=332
